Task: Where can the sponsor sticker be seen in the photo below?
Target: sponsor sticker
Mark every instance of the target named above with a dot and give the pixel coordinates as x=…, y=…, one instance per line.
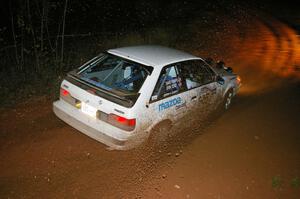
x=170, y=103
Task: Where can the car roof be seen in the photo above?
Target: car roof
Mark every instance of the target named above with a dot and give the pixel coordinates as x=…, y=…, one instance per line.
x=152, y=55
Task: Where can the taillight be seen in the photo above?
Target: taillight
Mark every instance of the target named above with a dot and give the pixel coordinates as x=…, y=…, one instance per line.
x=67, y=97
x=122, y=122
x=64, y=92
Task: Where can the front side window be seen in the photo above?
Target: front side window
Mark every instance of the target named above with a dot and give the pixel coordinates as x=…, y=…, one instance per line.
x=110, y=72
x=195, y=73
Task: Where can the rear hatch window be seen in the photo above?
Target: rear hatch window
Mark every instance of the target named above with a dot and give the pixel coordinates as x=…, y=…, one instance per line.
x=112, y=77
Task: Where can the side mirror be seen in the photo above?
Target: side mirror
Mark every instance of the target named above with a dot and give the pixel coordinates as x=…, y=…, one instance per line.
x=220, y=80
x=229, y=69
x=209, y=60
x=220, y=65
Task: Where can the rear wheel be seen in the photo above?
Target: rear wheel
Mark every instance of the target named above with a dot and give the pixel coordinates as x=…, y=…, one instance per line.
x=160, y=132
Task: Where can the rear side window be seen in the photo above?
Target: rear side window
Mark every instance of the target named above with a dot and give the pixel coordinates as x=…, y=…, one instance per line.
x=169, y=83
x=110, y=72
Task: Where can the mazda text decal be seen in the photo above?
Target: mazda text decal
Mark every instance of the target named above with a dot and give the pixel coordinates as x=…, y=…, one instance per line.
x=170, y=103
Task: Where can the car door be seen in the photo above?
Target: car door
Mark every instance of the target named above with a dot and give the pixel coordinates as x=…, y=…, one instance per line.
x=210, y=88
x=169, y=98
x=217, y=86
x=200, y=83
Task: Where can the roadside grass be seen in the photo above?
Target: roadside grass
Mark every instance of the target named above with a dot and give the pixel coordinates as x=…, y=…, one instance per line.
x=295, y=182
x=277, y=182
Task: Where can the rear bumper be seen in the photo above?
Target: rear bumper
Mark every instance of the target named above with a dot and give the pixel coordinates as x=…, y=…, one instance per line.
x=90, y=126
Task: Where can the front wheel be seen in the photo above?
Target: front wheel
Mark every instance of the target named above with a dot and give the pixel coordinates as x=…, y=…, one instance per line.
x=227, y=100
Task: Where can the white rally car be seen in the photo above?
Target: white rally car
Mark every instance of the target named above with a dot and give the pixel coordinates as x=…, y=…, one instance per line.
x=119, y=96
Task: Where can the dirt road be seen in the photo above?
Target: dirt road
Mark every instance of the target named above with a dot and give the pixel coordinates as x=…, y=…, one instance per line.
x=251, y=151
x=242, y=154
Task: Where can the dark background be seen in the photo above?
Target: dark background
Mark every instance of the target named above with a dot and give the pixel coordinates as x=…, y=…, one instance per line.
x=36, y=52
x=96, y=16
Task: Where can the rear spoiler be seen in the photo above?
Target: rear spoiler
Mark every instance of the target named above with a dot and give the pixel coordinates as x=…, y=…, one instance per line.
x=127, y=100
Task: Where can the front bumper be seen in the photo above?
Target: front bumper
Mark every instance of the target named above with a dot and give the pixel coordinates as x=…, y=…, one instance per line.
x=91, y=126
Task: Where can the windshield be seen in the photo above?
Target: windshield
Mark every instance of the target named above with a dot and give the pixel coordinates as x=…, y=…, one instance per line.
x=110, y=72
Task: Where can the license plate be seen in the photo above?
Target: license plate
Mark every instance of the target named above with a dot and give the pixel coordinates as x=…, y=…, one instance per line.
x=88, y=109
